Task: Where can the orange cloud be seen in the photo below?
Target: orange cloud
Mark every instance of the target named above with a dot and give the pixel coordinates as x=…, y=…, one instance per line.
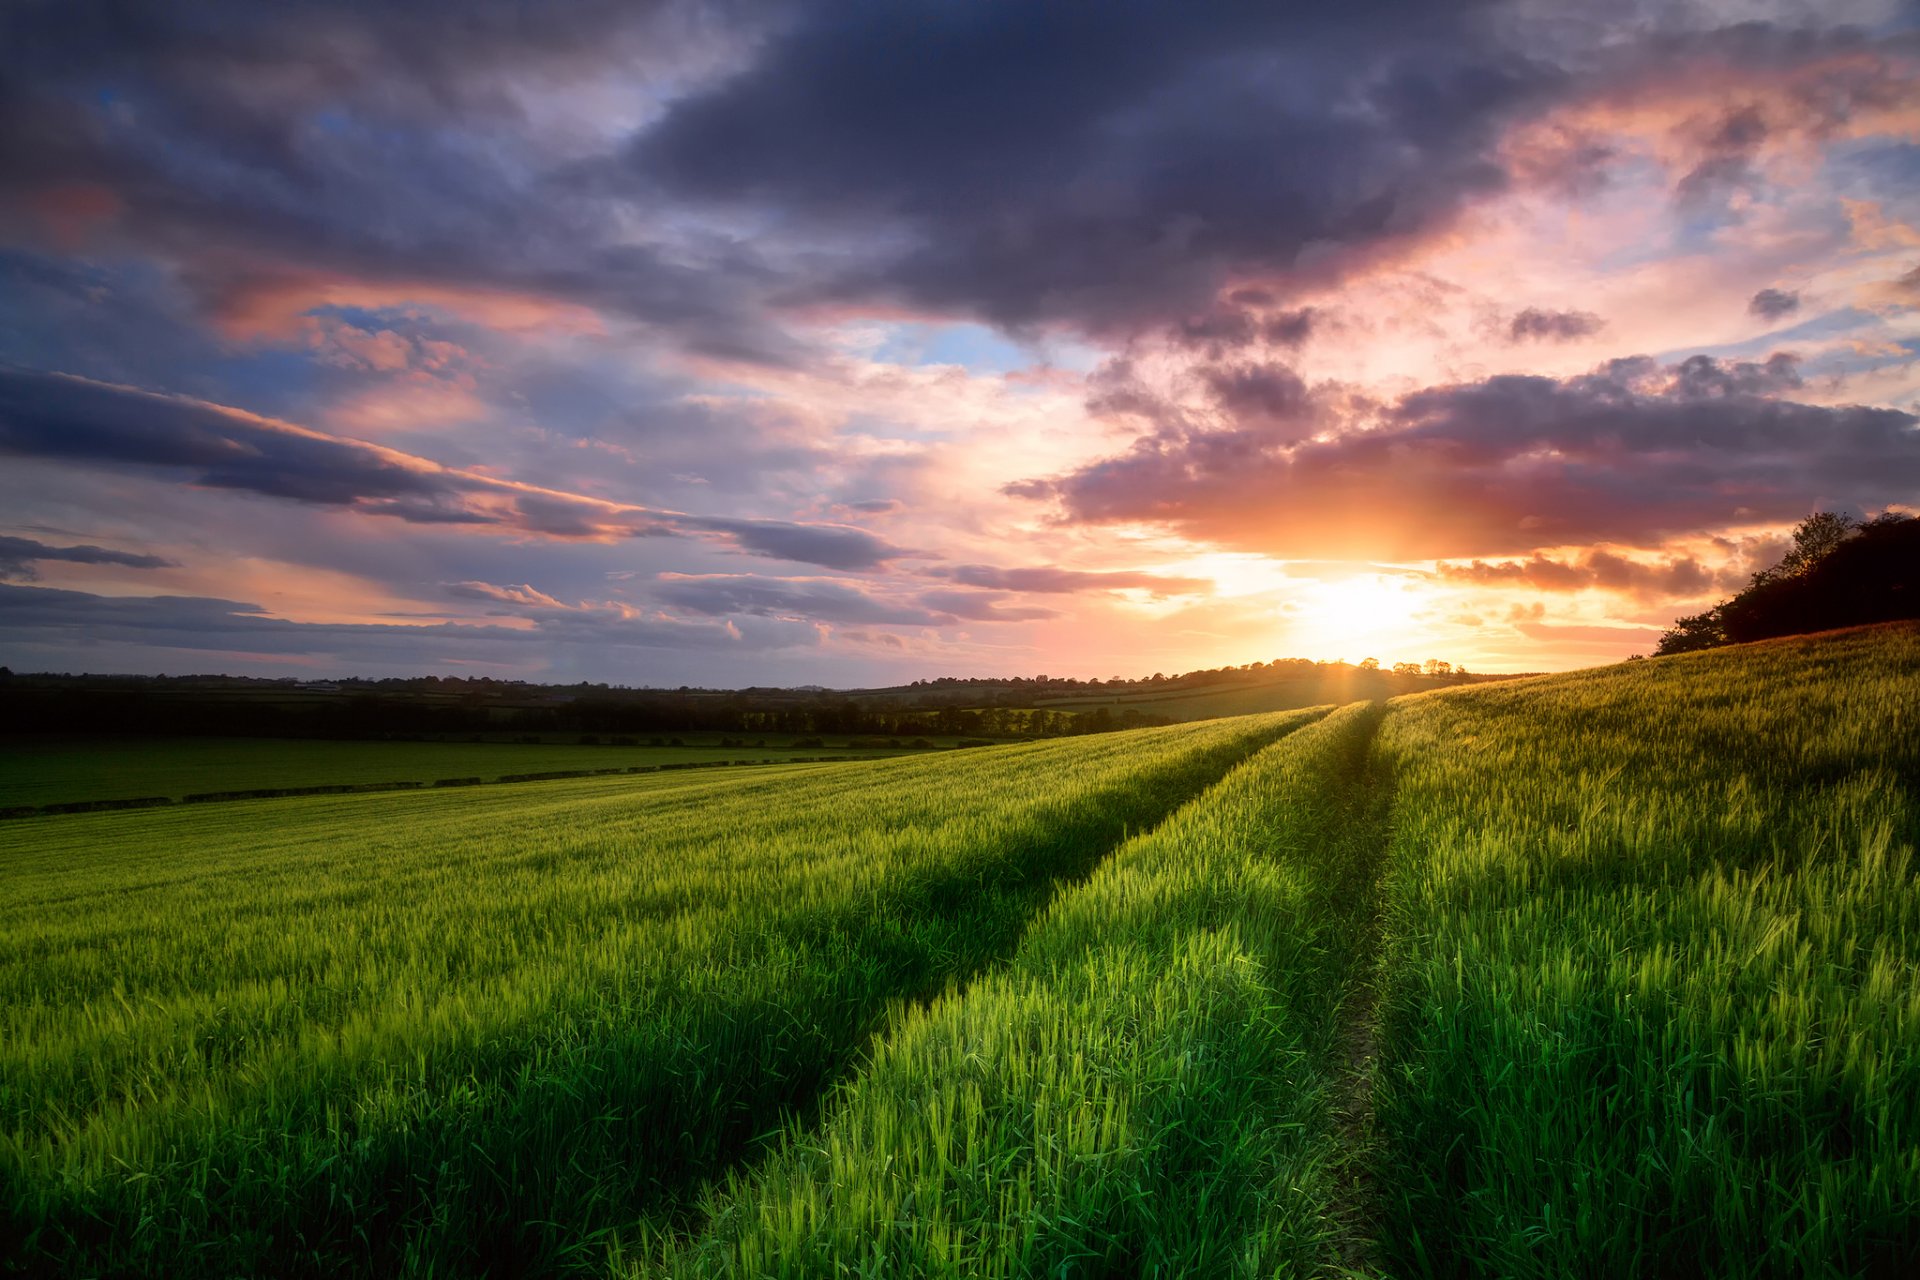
x=273, y=306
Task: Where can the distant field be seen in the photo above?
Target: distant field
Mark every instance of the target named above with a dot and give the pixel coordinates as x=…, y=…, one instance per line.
x=1254, y=696
x=58, y=771
x=1609, y=973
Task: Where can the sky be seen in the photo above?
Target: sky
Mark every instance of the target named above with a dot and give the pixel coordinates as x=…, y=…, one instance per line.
x=752, y=342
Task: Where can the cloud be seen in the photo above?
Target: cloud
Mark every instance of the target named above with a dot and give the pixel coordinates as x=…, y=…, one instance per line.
x=330, y=155
x=978, y=606
x=825, y=599
x=18, y=556
x=1903, y=291
x=1681, y=577
x=621, y=160
x=39, y=617
x=1048, y=580
x=1631, y=453
x=1772, y=304
x=1032, y=167
x=1235, y=324
x=1535, y=325
x=1270, y=393
x=1134, y=174
x=832, y=600
x=70, y=419
x=521, y=597
x=833, y=546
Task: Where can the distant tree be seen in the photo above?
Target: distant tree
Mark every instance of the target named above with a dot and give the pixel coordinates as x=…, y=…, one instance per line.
x=1435, y=667
x=1406, y=668
x=1369, y=664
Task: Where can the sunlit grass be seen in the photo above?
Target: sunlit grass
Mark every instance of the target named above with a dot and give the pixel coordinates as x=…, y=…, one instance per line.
x=1646, y=944
x=452, y=1032
x=1654, y=964
x=1144, y=1091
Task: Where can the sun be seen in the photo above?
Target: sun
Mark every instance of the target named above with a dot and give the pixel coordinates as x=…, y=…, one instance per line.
x=1365, y=612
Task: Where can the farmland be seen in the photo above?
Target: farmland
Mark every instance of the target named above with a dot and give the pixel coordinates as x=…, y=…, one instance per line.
x=1616, y=972
x=394, y=1031
x=60, y=771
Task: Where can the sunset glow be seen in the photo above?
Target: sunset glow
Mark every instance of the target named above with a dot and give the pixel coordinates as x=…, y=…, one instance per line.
x=800, y=344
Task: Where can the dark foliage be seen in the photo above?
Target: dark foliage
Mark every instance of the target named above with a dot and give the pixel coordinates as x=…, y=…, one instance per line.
x=1840, y=573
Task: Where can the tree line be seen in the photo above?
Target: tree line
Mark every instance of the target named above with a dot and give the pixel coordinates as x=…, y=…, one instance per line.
x=1839, y=572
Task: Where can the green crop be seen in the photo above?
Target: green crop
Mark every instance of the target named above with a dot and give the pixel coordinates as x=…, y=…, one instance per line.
x=1146, y=1090
x=434, y=1032
x=35, y=772
x=1654, y=966
x=1613, y=973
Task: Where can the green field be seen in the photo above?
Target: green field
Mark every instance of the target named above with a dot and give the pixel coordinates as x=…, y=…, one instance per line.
x=65, y=770
x=1612, y=973
x=1247, y=693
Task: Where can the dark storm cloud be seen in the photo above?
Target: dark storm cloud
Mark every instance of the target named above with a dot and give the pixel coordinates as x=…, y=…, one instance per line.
x=1045, y=166
x=1631, y=452
x=1049, y=580
x=1535, y=325
x=1772, y=304
x=1033, y=165
x=1023, y=163
x=19, y=555
x=277, y=154
x=426, y=57
x=75, y=420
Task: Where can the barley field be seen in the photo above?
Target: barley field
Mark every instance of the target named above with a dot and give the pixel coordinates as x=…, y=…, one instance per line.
x=1610, y=973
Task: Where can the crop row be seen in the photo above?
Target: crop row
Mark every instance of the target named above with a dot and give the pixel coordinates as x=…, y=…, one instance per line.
x=321, y=1045
x=1647, y=957
x=1143, y=1091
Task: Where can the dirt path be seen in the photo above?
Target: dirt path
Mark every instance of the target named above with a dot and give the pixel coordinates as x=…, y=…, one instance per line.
x=1357, y=1210
x=1356, y=1042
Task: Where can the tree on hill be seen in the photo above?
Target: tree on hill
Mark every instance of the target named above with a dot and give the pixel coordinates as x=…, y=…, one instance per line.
x=1838, y=573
